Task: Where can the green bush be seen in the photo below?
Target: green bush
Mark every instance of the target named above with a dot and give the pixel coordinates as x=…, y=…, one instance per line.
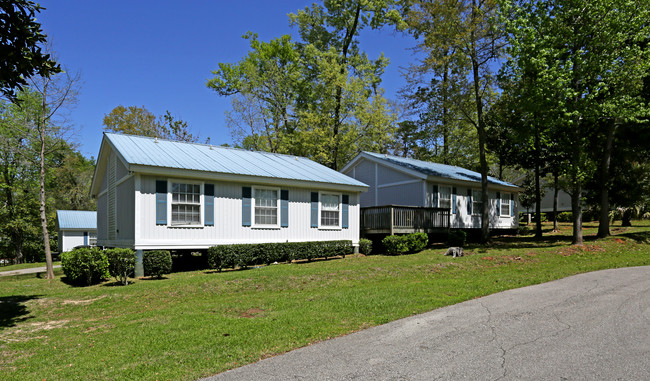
x=395, y=244
x=456, y=238
x=245, y=255
x=156, y=263
x=565, y=217
x=85, y=266
x=121, y=264
x=365, y=246
x=417, y=241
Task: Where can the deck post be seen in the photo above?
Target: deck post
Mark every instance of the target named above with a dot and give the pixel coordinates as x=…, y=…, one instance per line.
x=139, y=267
x=392, y=222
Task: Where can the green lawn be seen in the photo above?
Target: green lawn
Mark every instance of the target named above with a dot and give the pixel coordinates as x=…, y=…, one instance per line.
x=199, y=323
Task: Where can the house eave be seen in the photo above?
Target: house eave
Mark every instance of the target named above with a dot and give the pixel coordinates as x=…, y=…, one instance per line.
x=246, y=179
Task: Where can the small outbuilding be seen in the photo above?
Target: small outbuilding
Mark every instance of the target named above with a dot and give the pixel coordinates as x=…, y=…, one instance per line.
x=407, y=195
x=160, y=194
x=76, y=228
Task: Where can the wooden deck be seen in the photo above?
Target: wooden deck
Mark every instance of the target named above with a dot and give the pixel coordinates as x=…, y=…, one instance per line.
x=393, y=219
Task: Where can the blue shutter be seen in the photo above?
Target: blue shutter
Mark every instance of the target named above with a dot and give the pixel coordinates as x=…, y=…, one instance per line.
x=246, y=206
x=208, y=195
x=161, y=202
x=346, y=211
x=284, y=208
x=85, y=238
x=435, y=196
x=498, y=203
x=469, y=202
x=314, y=209
x=512, y=205
x=453, y=200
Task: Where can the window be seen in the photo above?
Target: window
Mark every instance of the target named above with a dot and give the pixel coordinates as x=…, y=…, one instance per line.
x=444, y=197
x=330, y=210
x=505, y=205
x=266, y=206
x=477, y=202
x=186, y=204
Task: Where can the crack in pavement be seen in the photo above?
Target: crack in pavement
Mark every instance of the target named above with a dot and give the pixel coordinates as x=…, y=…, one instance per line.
x=494, y=339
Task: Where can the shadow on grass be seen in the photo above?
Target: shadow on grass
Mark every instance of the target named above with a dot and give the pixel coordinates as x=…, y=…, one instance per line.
x=13, y=309
x=641, y=237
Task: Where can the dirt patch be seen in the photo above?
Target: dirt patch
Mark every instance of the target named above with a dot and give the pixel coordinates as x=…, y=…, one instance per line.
x=84, y=301
x=488, y=258
x=251, y=313
x=618, y=240
x=573, y=250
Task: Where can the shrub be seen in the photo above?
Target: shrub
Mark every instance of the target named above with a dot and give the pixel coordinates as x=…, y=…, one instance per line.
x=456, y=238
x=121, y=263
x=85, y=266
x=565, y=217
x=417, y=241
x=220, y=257
x=395, y=244
x=365, y=246
x=157, y=262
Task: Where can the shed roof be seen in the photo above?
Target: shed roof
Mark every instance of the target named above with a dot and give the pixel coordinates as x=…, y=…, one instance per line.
x=77, y=219
x=161, y=153
x=434, y=169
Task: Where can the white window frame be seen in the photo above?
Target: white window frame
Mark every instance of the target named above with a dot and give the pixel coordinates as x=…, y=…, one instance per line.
x=277, y=208
x=477, y=211
x=170, y=203
x=505, y=200
x=440, y=193
x=320, y=210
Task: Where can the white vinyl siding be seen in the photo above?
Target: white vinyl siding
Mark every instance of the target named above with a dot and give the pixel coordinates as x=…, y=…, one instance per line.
x=185, y=203
x=265, y=207
x=477, y=202
x=330, y=210
x=505, y=205
x=444, y=197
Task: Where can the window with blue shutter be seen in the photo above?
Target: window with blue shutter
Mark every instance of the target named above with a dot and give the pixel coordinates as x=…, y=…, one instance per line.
x=208, y=196
x=346, y=211
x=499, y=202
x=435, y=196
x=284, y=208
x=469, y=202
x=246, y=206
x=85, y=238
x=314, y=209
x=453, y=200
x=512, y=205
x=161, y=202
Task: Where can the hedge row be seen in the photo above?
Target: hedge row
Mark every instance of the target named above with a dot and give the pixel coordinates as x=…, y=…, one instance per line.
x=244, y=255
x=86, y=266
x=400, y=244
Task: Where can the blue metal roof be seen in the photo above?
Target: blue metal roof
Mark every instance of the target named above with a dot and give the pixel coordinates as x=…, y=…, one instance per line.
x=437, y=169
x=77, y=219
x=147, y=151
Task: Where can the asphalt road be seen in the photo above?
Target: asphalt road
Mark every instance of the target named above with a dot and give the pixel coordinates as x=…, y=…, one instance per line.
x=33, y=270
x=593, y=326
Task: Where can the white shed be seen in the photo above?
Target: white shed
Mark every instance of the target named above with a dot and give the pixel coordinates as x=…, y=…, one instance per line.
x=421, y=194
x=160, y=194
x=76, y=228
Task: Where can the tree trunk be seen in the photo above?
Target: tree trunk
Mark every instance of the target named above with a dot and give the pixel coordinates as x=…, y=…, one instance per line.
x=603, y=222
x=538, y=191
x=555, y=200
x=46, y=235
x=445, y=121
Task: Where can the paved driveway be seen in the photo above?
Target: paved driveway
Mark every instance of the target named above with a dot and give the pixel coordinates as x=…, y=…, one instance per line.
x=593, y=326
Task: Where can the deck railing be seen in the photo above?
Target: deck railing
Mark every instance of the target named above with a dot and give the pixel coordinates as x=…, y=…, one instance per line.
x=403, y=219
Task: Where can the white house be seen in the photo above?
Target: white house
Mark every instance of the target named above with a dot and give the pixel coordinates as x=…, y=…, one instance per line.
x=76, y=228
x=400, y=181
x=159, y=194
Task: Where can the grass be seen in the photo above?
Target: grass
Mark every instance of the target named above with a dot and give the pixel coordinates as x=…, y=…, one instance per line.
x=21, y=266
x=199, y=323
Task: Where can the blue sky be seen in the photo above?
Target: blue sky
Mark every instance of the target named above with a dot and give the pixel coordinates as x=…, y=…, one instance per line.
x=159, y=54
